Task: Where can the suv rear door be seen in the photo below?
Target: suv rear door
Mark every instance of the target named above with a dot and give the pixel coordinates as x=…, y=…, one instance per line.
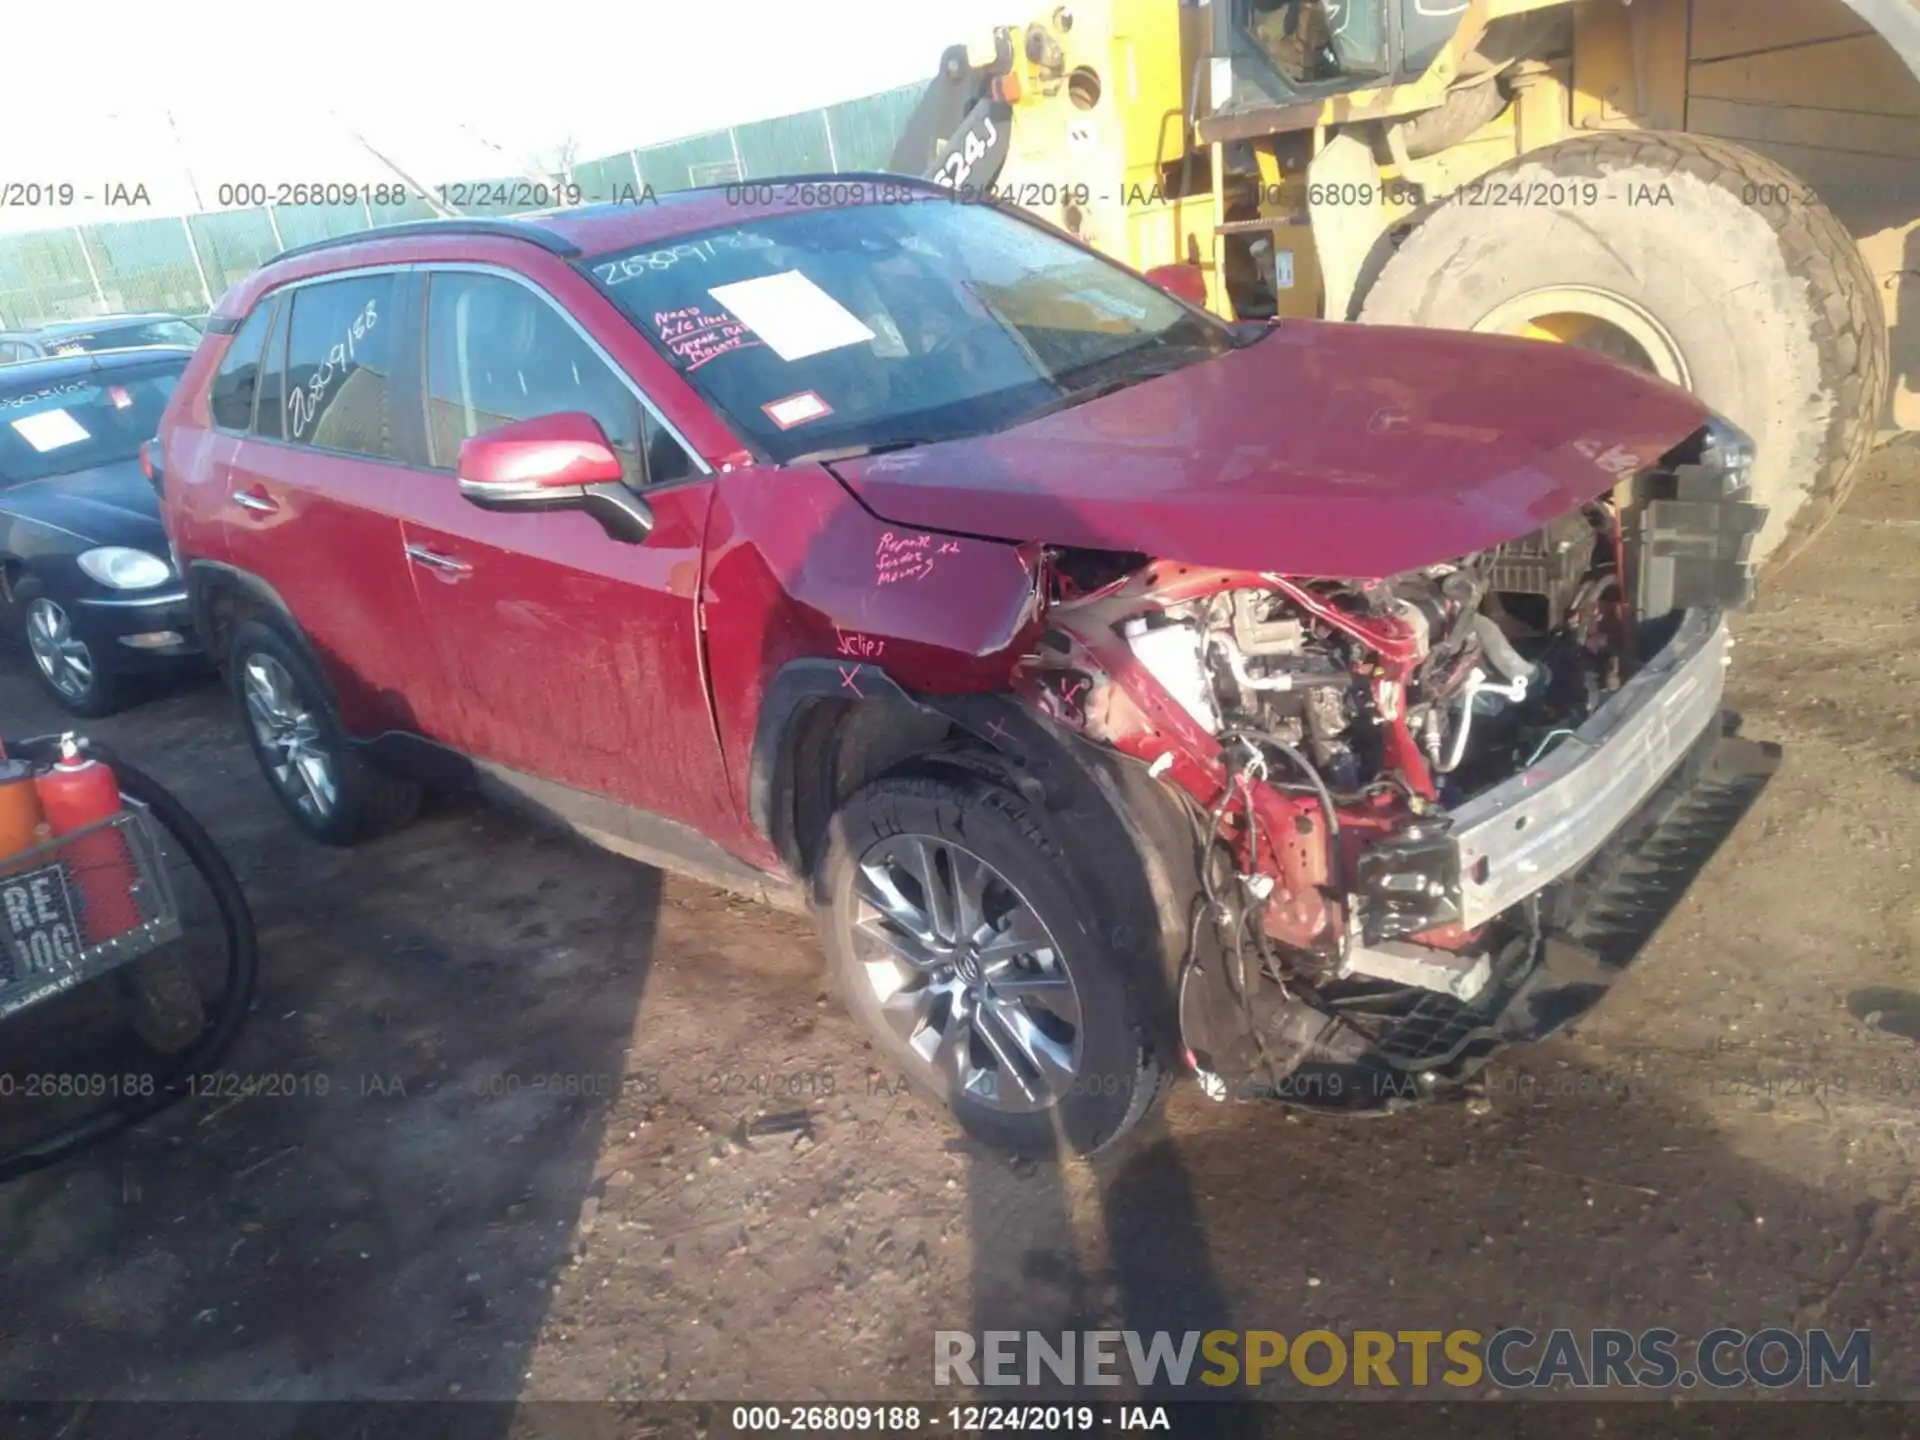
x=308, y=489
x=567, y=655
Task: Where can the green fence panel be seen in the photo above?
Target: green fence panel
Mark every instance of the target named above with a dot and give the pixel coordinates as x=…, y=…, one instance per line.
x=43, y=276
x=150, y=265
x=233, y=244
x=866, y=130
x=683, y=164
x=147, y=265
x=611, y=180
x=790, y=145
x=304, y=224
x=412, y=208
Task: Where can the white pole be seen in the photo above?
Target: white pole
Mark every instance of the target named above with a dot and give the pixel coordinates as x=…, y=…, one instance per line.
x=199, y=269
x=99, y=295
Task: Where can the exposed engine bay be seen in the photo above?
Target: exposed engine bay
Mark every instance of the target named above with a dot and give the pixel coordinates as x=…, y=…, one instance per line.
x=1435, y=683
x=1332, y=739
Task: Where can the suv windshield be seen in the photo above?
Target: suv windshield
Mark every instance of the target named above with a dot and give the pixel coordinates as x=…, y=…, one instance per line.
x=869, y=327
x=78, y=422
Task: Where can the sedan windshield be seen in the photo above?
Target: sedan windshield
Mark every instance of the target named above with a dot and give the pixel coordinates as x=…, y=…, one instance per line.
x=850, y=330
x=116, y=337
x=80, y=422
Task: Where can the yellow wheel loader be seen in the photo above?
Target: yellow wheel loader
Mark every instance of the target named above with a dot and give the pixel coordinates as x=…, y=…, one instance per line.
x=1723, y=192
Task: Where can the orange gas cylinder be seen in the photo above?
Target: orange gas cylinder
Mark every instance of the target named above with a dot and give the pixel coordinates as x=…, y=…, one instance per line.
x=21, y=818
x=76, y=793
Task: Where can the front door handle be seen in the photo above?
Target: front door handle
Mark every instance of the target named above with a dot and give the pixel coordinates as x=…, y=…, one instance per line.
x=257, y=501
x=434, y=558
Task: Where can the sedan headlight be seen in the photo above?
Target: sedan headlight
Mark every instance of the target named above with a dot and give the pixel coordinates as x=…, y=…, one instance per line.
x=120, y=568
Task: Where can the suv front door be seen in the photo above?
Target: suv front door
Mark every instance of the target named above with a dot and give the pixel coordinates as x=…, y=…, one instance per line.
x=566, y=655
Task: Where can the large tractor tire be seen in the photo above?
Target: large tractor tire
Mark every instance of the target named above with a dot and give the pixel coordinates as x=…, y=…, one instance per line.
x=1687, y=256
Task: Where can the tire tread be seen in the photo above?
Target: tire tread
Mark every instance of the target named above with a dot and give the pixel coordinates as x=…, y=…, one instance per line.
x=1850, y=333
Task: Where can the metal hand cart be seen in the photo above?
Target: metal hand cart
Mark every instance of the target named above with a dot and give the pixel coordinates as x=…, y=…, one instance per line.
x=100, y=908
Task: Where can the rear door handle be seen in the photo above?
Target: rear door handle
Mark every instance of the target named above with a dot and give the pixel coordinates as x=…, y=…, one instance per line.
x=257, y=501
x=438, y=561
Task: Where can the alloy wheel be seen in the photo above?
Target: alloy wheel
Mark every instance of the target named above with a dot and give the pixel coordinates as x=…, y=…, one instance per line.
x=289, y=735
x=61, y=655
x=966, y=973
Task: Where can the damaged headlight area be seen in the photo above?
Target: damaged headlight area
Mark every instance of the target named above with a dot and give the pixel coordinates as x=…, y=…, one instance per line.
x=1420, y=801
x=1698, y=524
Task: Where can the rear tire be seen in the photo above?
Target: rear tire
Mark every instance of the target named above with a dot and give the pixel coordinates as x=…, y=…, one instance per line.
x=333, y=794
x=1095, y=1075
x=1765, y=296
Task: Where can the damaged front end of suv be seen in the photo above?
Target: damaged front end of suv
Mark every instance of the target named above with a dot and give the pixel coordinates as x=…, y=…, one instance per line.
x=1436, y=813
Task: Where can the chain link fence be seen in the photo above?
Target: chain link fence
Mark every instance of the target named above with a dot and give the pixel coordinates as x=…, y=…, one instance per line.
x=184, y=264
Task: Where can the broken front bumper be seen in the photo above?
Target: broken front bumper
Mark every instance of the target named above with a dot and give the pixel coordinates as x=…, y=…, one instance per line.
x=1604, y=837
x=1593, y=923
x=1521, y=836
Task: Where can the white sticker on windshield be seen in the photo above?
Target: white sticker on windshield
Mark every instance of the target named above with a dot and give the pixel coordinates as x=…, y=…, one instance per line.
x=792, y=314
x=797, y=410
x=50, y=429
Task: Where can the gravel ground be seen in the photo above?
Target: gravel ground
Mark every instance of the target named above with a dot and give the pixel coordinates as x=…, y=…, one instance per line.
x=536, y=1170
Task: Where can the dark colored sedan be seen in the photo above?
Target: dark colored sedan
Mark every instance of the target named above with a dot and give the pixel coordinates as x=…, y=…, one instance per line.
x=102, y=332
x=86, y=582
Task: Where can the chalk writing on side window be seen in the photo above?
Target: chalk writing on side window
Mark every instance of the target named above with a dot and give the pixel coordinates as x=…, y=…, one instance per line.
x=304, y=403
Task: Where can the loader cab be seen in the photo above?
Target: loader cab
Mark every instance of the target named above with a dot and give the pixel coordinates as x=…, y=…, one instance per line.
x=1282, y=52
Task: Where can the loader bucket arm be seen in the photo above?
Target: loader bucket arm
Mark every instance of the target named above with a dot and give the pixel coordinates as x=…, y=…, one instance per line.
x=960, y=115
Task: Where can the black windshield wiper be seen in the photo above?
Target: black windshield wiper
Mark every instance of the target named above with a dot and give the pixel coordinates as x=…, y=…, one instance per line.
x=859, y=452
x=1135, y=375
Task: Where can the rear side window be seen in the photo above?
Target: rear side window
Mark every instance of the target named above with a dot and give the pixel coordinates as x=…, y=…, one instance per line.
x=340, y=340
x=497, y=352
x=238, y=377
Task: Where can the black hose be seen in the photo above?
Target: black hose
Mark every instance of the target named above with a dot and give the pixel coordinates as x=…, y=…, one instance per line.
x=175, y=1082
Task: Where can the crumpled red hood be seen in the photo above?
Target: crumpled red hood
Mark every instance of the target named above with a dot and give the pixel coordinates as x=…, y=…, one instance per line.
x=1350, y=451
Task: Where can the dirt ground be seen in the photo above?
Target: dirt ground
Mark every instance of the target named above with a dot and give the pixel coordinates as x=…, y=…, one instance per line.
x=529, y=1176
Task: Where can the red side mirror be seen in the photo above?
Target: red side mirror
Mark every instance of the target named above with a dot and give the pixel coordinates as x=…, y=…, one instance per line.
x=1189, y=282
x=544, y=458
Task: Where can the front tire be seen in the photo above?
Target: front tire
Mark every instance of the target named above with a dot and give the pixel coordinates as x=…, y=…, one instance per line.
x=70, y=670
x=332, y=794
x=1690, y=245
x=956, y=934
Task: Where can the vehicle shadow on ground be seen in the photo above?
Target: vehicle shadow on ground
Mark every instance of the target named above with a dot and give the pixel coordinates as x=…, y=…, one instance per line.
x=380, y=1192
x=1579, y=1203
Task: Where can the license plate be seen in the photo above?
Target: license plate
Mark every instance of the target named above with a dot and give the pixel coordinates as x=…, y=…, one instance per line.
x=37, y=919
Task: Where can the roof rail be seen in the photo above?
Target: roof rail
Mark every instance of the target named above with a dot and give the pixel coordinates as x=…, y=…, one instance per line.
x=504, y=229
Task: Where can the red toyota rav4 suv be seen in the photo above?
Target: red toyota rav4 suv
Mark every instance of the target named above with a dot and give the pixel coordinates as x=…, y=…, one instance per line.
x=1306, y=707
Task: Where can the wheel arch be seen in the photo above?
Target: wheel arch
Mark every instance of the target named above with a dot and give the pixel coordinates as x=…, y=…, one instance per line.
x=1132, y=844
x=223, y=597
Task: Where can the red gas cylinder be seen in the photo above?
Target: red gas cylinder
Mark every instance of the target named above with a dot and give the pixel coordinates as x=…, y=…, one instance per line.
x=76, y=793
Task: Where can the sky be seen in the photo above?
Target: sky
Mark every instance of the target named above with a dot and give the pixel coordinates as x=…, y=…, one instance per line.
x=191, y=94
